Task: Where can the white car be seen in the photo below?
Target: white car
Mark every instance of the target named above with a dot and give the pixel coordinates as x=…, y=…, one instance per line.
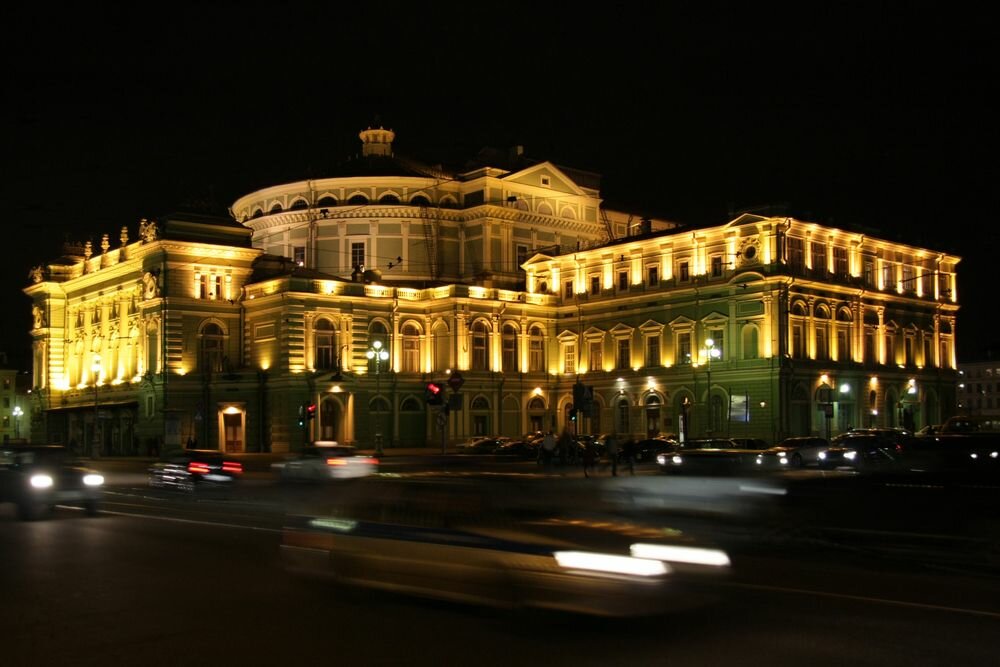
x=326, y=460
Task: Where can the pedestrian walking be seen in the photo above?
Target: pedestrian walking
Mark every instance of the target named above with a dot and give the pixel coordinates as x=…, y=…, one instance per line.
x=611, y=446
x=548, y=449
x=628, y=454
x=589, y=458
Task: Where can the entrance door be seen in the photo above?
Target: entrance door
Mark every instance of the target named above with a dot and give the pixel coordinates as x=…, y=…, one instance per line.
x=233, y=426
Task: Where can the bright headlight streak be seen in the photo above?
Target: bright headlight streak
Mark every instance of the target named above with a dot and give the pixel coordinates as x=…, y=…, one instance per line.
x=822, y=455
x=93, y=480
x=993, y=455
x=676, y=554
x=583, y=560
x=677, y=460
x=41, y=481
x=850, y=456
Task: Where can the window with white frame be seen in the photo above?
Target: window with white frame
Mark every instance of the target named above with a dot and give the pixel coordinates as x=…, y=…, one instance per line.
x=411, y=348
x=623, y=358
x=653, y=350
x=299, y=255
x=358, y=254
x=479, y=336
x=508, y=349
x=569, y=357
x=596, y=349
x=324, y=336
x=536, y=350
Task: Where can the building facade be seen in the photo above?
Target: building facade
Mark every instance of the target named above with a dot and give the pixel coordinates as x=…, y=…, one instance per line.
x=507, y=272
x=979, y=388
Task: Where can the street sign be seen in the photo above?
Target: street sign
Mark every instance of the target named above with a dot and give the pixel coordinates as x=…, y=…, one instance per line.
x=455, y=381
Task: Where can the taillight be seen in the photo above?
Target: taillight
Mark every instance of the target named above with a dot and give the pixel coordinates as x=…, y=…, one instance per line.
x=197, y=468
x=336, y=462
x=371, y=460
x=232, y=466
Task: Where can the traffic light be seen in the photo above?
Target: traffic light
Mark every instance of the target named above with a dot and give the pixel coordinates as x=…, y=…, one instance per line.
x=310, y=411
x=302, y=415
x=434, y=393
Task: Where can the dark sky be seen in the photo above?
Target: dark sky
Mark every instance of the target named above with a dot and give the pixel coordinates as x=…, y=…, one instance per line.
x=868, y=113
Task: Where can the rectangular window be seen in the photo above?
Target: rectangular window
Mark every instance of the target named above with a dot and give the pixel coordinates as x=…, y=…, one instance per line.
x=843, y=353
x=718, y=338
x=622, y=281
x=796, y=254
x=595, y=285
x=569, y=358
x=716, y=266
x=568, y=289
x=840, y=261
x=684, y=349
x=928, y=352
x=890, y=348
x=6, y=421
x=909, y=350
x=522, y=256
x=358, y=255
x=536, y=359
x=685, y=272
x=887, y=281
x=624, y=359
x=6, y=401
x=652, y=275
x=299, y=255
x=149, y=406
x=871, y=354
x=822, y=347
x=869, y=274
x=596, y=356
x=652, y=351
x=411, y=354
x=818, y=256
x=798, y=342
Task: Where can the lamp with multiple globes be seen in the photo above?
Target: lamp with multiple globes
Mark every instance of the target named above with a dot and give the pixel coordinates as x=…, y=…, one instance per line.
x=378, y=354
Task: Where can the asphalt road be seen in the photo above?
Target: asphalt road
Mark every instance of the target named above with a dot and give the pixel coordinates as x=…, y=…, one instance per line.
x=164, y=578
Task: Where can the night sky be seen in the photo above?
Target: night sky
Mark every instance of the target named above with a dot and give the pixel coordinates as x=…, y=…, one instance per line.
x=865, y=114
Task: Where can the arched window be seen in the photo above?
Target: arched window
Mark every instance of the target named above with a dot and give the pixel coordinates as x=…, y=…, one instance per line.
x=257, y=213
x=410, y=404
x=298, y=205
x=388, y=199
x=419, y=200
x=152, y=348
x=822, y=327
x=508, y=357
x=411, y=348
x=448, y=202
x=325, y=345
x=536, y=404
x=358, y=200
x=544, y=209
x=536, y=350
x=276, y=208
x=326, y=201
x=621, y=417
x=212, y=348
x=479, y=359
x=442, y=346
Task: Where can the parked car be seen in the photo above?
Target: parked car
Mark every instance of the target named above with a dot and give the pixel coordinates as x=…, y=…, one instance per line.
x=647, y=449
x=518, y=449
x=796, y=452
x=709, y=456
x=863, y=452
x=482, y=445
x=194, y=468
x=325, y=460
x=897, y=439
x=486, y=541
x=38, y=477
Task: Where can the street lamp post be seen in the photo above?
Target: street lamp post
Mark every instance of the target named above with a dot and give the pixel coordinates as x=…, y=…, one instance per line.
x=17, y=421
x=96, y=374
x=711, y=352
x=377, y=353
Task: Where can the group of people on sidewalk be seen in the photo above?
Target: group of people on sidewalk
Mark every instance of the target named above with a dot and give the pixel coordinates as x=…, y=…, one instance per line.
x=565, y=448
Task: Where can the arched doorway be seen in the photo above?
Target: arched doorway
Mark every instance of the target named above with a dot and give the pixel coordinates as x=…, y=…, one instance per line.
x=536, y=415
x=652, y=415
x=330, y=420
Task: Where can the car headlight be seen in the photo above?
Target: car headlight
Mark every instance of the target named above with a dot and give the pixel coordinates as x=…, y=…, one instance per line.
x=676, y=460
x=973, y=455
x=993, y=455
x=93, y=479
x=822, y=455
x=611, y=563
x=680, y=554
x=850, y=456
x=760, y=460
x=41, y=481
x=783, y=461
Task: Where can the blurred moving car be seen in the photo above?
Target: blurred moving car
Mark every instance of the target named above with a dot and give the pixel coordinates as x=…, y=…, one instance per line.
x=862, y=452
x=709, y=456
x=193, y=468
x=795, y=452
x=38, y=477
x=325, y=460
x=487, y=542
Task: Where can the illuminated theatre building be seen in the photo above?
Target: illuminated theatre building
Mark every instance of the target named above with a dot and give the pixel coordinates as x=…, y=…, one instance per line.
x=509, y=272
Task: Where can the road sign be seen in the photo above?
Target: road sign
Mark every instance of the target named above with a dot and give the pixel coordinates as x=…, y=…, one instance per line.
x=455, y=381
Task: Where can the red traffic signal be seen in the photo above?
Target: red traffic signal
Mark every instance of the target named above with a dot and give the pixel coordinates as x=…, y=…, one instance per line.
x=434, y=392
x=310, y=410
